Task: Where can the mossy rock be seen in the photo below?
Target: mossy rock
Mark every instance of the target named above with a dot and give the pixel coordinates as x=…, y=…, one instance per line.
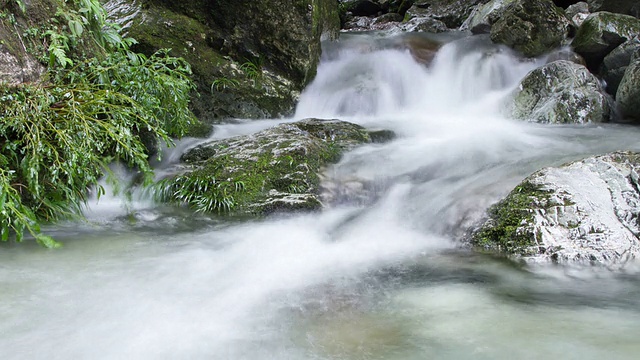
x=585, y=212
x=532, y=27
x=602, y=32
x=278, y=39
x=274, y=170
x=561, y=92
x=510, y=225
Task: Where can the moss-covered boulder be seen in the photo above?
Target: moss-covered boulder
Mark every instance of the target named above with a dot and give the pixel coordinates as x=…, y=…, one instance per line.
x=602, y=32
x=532, y=27
x=585, y=211
x=274, y=170
x=250, y=58
x=616, y=62
x=628, y=94
x=561, y=92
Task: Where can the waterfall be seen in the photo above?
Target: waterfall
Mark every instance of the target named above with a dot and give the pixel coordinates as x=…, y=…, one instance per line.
x=379, y=274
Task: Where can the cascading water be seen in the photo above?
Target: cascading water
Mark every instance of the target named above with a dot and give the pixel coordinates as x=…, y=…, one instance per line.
x=378, y=275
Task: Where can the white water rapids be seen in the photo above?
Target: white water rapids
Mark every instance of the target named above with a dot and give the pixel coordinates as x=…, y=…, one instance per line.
x=379, y=274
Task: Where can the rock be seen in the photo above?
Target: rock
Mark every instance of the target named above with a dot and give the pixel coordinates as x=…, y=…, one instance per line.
x=615, y=64
x=602, y=32
x=561, y=92
x=532, y=27
x=577, y=13
x=250, y=58
x=424, y=24
x=361, y=7
x=388, y=17
x=422, y=48
x=628, y=7
x=628, y=94
x=277, y=169
x=452, y=13
x=585, y=212
x=484, y=15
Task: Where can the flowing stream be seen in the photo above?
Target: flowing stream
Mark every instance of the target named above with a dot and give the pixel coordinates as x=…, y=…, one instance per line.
x=379, y=274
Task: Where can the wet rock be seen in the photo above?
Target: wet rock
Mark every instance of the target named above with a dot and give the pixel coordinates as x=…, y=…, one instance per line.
x=388, y=17
x=422, y=48
x=452, y=13
x=586, y=212
x=424, y=24
x=615, y=64
x=602, y=32
x=249, y=66
x=628, y=94
x=577, y=13
x=278, y=169
x=532, y=27
x=484, y=15
x=628, y=7
x=561, y=92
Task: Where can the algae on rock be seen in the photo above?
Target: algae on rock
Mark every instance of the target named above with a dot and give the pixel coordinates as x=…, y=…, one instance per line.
x=250, y=58
x=584, y=212
x=274, y=170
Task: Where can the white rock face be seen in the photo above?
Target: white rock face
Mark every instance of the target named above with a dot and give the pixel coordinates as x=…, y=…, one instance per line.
x=588, y=214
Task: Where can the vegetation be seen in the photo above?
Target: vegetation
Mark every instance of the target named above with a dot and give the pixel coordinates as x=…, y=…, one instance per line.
x=57, y=137
x=508, y=228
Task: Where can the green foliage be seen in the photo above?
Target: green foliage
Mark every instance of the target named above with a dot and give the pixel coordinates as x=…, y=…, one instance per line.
x=57, y=140
x=201, y=192
x=223, y=83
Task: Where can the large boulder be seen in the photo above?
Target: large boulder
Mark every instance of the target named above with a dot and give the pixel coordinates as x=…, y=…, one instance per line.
x=586, y=212
x=274, y=170
x=532, y=27
x=484, y=15
x=616, y=62
x=561, y=92
x=629, y=7
x=250, y=58
x=628, y=94
x=602, y=32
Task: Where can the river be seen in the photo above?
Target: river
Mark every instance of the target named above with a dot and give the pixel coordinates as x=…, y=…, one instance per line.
x=379, y=274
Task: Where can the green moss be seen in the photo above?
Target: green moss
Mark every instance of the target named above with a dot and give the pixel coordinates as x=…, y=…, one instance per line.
x=258, y=173
x=508, y=228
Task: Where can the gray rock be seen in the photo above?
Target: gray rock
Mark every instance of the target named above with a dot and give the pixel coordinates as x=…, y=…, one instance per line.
x=17, y=67
x=388, y=17
x=577, y=13
x=484, y=15
x=274, y=170
x=452, y=13
x=561, y=92
x=602, y=32
x=628, y=94
x=424, y=24
x=585, y=212
x=532, y=27
x=628, y=7
x=615, y=64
